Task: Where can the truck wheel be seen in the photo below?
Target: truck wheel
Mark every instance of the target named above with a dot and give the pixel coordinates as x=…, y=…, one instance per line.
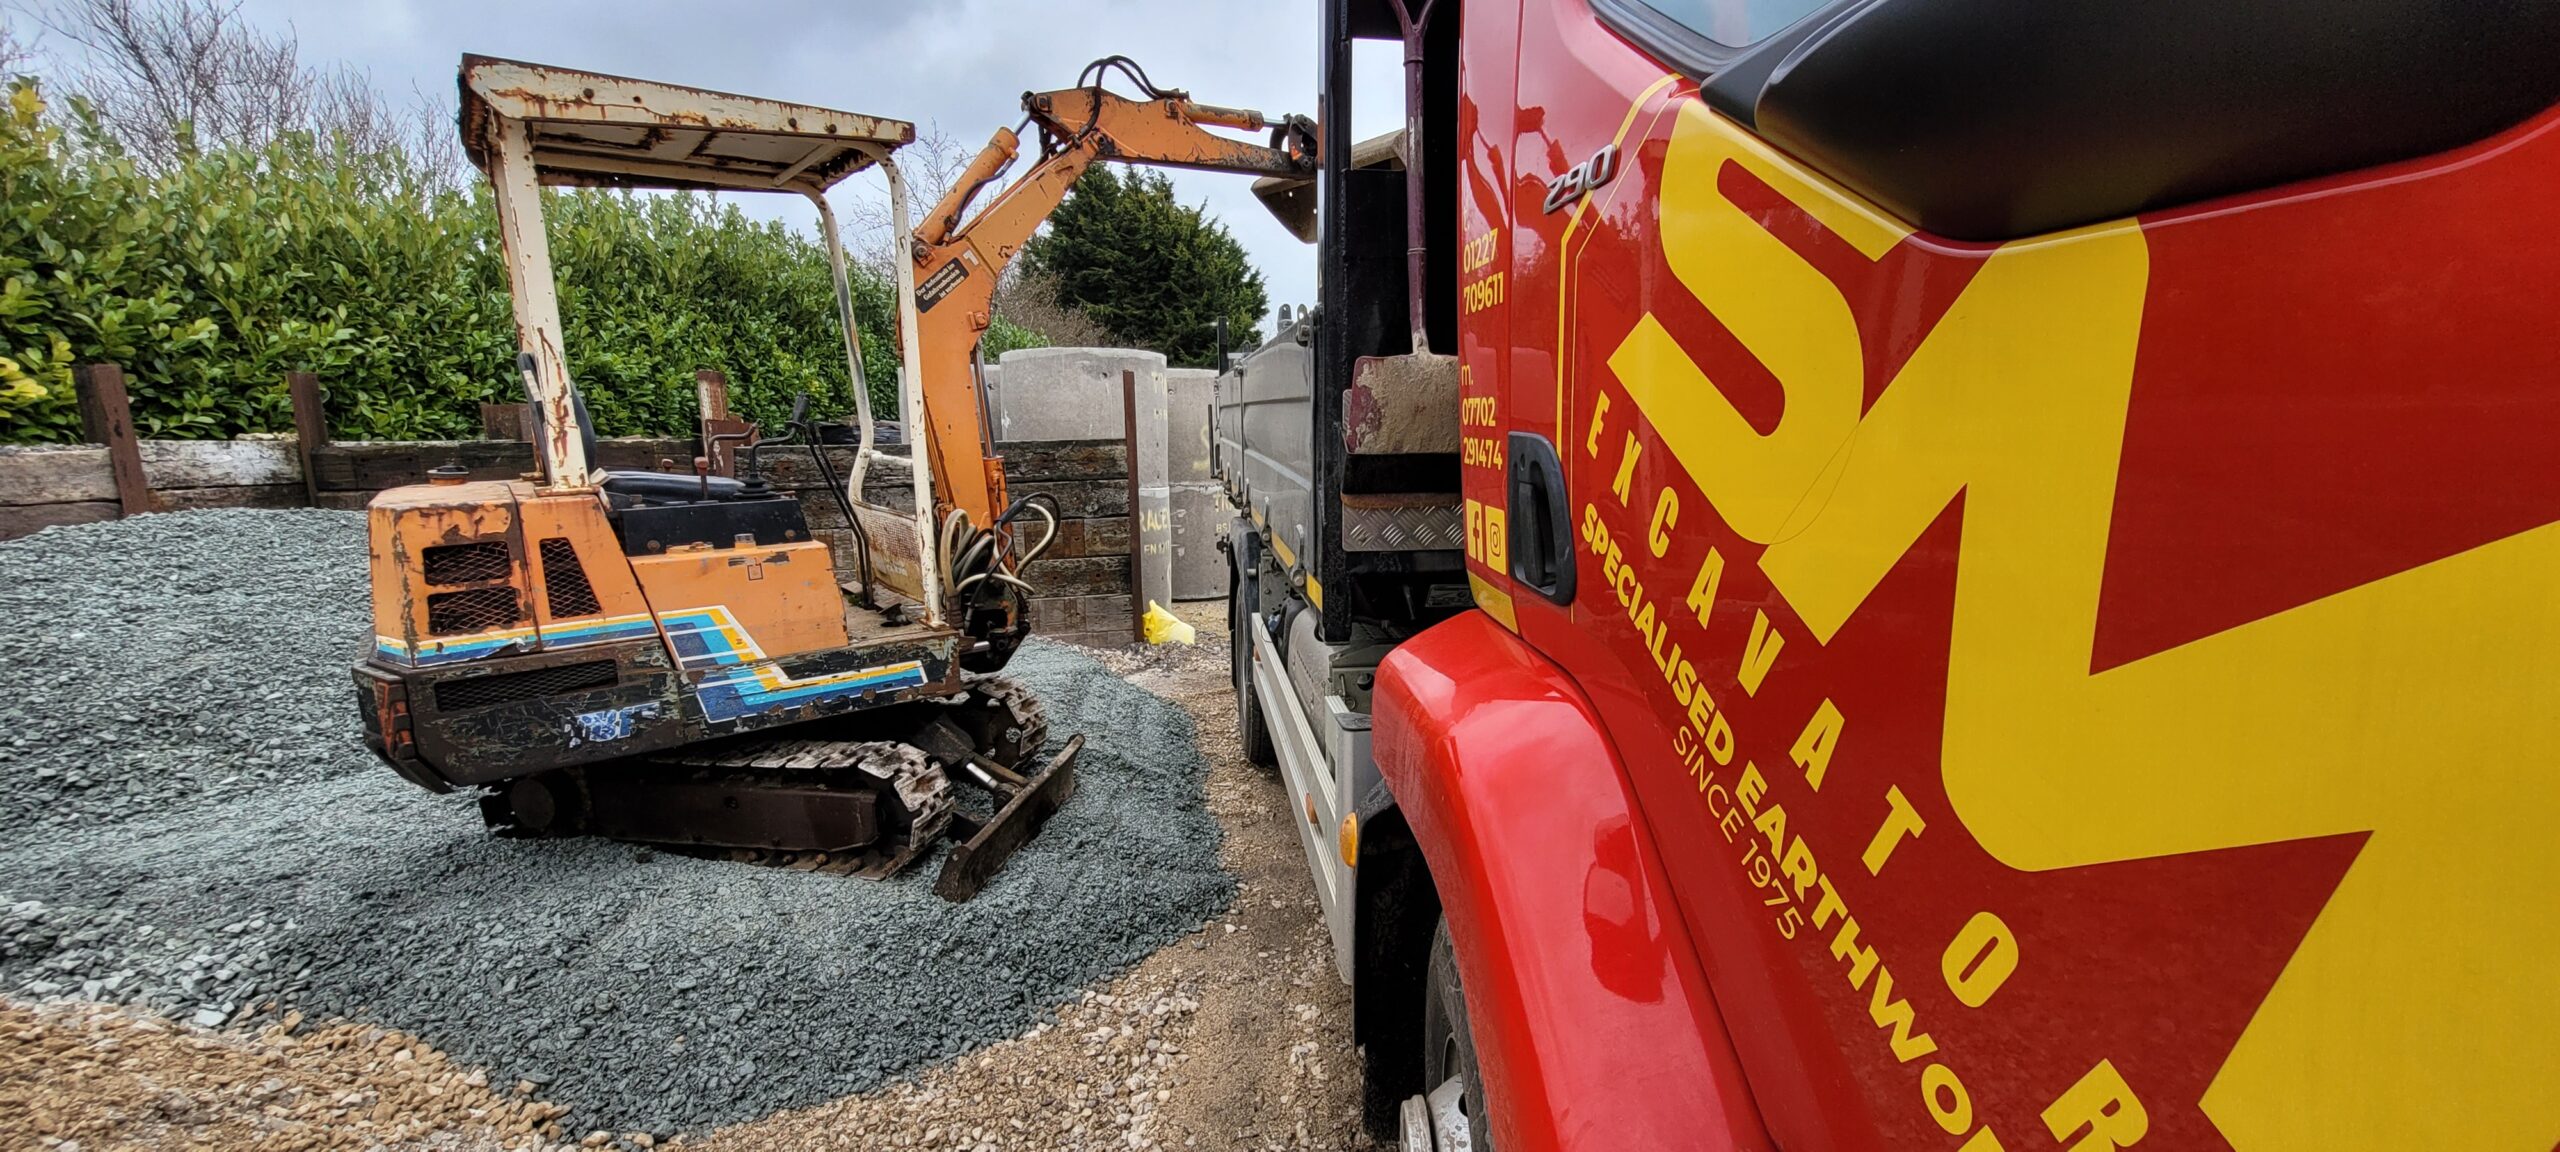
x=1250, y=725
x=1448, y=1042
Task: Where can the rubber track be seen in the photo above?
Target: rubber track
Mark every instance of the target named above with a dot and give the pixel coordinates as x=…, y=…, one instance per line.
x=1029, y=715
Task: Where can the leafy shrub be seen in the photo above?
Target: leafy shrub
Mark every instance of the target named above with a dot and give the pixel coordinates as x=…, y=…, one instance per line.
x=208, y=282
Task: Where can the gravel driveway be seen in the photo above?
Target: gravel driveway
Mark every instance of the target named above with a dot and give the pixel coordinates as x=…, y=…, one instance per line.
x=229, y=853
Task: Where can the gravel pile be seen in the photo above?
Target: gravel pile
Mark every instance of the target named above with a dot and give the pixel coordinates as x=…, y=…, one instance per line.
x=1237, y=1040
x=148, y=660
x=644, y=991
x=208, y=976
x=1096, y=1077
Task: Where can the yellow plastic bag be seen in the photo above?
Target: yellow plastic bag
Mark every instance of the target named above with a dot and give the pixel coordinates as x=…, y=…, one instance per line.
x=1164, y=627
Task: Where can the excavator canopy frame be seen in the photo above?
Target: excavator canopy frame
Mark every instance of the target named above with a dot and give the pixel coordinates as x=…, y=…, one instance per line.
x=532, y=125
x=593, y=130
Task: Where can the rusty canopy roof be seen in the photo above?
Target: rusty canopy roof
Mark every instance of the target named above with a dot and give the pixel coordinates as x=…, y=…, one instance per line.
x=594, y=130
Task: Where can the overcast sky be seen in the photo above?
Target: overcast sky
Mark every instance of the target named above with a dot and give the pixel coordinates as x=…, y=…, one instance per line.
x=959, y=64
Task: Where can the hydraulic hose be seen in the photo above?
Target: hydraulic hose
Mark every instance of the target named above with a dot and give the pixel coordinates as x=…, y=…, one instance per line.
x=852, y=521
x=969, y=556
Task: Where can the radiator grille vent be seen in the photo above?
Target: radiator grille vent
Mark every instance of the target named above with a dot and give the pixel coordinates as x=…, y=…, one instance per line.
x=564, y=582
x=472, y=610
x=448, y=564
x=510, y=687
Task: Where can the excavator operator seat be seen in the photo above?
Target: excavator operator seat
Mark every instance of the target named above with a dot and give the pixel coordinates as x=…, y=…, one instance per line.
x=669, y=488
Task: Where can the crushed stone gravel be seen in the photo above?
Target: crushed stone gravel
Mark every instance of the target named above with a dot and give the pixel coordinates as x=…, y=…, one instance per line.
x=149, y=660
x=643, y=991
x=1237, y=1039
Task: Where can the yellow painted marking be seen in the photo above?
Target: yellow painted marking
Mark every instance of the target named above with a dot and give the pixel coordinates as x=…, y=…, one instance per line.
x=1573, y=223
x=1495, y=602
x=2419, y=1011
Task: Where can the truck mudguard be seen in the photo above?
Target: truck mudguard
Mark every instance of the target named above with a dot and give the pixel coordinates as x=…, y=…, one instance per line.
x=1593, y=1025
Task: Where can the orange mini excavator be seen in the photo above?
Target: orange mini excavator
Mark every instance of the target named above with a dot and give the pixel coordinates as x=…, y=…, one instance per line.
x=670, y=657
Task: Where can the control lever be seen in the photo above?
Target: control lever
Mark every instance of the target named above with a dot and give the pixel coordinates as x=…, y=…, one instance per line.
x=530, y=371
x=790, y=432
x=711, y=452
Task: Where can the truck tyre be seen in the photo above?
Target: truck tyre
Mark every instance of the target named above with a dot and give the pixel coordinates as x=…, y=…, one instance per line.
x=1448, y=1042
x=1250, y=725
x=1251, y=728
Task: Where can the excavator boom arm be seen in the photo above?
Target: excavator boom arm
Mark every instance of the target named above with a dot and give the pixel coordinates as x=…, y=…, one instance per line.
x=960, y=256
x=1170, y=132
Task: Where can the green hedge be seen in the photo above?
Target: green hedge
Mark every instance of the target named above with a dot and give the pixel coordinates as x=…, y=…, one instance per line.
x=211, y=282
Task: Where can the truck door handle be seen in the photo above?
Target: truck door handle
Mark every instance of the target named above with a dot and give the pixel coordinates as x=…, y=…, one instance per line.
x=1541, y=542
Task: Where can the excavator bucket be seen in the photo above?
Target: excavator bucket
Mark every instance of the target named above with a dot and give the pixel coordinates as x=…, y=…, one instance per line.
x=1292, y=199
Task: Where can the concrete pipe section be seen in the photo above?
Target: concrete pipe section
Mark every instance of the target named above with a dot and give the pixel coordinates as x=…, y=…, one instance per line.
x=1199, y=570
x=1074, y=394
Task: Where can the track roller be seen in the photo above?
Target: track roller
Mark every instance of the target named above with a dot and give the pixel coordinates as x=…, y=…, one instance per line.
x=882, y=802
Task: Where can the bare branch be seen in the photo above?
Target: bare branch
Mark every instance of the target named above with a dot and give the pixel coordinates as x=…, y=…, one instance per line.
x=169, y=75
x=1030, y=300
x=434, y=144
x=931, y=165
x=17, y=50
x=352, y=117
x=173, y=77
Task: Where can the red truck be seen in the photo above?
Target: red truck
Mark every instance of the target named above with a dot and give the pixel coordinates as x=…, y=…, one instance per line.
x=1984, y=578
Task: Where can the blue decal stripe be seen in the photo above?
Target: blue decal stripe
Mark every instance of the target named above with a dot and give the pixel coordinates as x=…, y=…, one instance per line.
x=707, y=637
x=598, y=631
x=712, y=637
x=730, y=698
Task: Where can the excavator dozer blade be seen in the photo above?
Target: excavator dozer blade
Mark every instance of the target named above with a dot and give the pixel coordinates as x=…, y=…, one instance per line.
x=975, y=861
